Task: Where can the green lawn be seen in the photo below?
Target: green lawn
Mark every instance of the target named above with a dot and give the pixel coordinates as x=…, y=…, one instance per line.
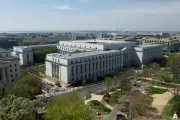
x=37, y=69
x=167, y=114
x=100, y=107
x=153, y=90
x=41, y=68
x=166, y=85
x=113, y=100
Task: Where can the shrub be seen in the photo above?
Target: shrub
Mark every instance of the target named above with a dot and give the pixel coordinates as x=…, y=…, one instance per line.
x=112, y=89
x=176, y=109
x=107, y=95
x=88, y=96
x=106, y=110
x=95, y=102
x=106, y=100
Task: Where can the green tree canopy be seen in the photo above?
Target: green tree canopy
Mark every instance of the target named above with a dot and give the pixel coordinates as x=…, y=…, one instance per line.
x=27, y=86
x=124, y=81
x=108, y=81
x=17, y=108
x=174, y=64
x=40, y=55
x=2, y=89
x=69, y=108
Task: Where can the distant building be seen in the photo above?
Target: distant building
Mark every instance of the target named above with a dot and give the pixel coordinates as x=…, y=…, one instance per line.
x=25, y=53
x=9, y=66
x=9, y=42
x=171, y=45
x=93, y=45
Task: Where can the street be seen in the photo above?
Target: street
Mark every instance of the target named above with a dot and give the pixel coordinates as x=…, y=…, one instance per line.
x=82, y=91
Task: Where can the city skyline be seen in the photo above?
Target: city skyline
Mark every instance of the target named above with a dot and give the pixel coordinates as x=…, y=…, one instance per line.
x=54, y=15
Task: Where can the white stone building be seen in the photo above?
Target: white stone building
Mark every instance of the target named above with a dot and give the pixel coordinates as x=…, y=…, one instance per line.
x=93, y=45
x=25, y=53
x=104, y=57
x=146, y=53
x=88, y=65
x=9, y=66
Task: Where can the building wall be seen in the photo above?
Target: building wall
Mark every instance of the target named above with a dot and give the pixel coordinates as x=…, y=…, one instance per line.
x=48, y=68
x=85, y=68
x=9, y=66
x=14, y=70
x=142, y=56
x=25, y=53
x=72, y=46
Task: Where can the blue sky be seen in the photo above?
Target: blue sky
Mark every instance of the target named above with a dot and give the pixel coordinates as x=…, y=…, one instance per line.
x=159, y=15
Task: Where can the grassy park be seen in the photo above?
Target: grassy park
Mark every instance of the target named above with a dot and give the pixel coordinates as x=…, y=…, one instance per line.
x=154, y=90
x=114, y=98
x=168, y=110
x=96, y=105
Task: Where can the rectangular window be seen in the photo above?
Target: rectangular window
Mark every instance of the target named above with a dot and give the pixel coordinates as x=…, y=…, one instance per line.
x=72, y=71
x=81, y=69
x=89, y=67
x=85, y=67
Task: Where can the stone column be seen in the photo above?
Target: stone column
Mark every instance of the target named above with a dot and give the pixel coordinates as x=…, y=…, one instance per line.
x=3, y=74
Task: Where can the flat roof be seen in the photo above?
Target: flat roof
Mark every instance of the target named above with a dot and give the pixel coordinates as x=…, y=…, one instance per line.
x=97, y=41
x=34, y=46
x=84, y=54
x=3, y=50
x=148, y=45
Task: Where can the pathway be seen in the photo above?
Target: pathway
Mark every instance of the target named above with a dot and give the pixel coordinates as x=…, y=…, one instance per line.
x=160, y=100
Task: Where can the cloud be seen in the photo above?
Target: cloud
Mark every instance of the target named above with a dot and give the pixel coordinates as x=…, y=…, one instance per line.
x=66, y=7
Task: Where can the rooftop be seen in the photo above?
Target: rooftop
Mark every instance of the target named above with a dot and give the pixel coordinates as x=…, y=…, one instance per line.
x=96, y=41
x=34, y=46
x=85, y=54
x=3, y=50
x=148, y=45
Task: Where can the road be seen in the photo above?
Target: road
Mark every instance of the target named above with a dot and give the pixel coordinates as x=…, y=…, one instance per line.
x=82, y=91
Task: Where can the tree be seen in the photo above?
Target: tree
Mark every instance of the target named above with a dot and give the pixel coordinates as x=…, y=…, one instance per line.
x=40, y=55
x=124, y=81
x=115, y=81
x=108, y=81
x=174, y=64
x=17, y=108
x=28, y=86
x=165, y=78
x=138, y=105
x=83, y=82
x=175, y=91
x=2, y=89
x=70, y=107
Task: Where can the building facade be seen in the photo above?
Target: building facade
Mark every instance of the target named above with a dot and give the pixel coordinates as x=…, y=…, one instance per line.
x=146, y=53
x=9, y=66
x=171, y=45
x=9, y=42
x=102, y=57
x=93, y=45
x=88, y=65
x=25, y=53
